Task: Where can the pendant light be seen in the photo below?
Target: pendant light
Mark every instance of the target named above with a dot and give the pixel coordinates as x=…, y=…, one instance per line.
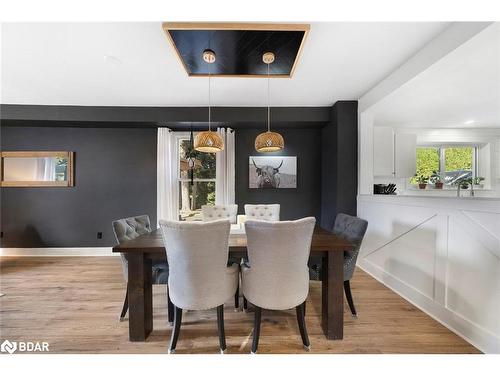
x=269, y=141
x=208, y=141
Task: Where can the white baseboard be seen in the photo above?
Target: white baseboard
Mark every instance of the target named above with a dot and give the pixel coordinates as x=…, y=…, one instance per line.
x=57, y=251
x=475, y=335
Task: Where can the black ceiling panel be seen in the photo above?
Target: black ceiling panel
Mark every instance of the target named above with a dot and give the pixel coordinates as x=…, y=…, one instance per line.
x=238, y=52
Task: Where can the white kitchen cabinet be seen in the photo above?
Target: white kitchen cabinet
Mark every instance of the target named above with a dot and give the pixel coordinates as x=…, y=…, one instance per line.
x=383, y=151
x=405, y=157
x=394, y=154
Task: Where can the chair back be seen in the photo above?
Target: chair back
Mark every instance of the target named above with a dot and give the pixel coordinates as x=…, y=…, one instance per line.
x=265, y=212
x=278, y=253
x=220, y=212
x=353, y=229
x=128, y=229
x=197, y=254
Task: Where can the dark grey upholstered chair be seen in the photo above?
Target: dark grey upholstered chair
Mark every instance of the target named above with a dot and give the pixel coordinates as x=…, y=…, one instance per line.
x=352, y=229
x=130, y=228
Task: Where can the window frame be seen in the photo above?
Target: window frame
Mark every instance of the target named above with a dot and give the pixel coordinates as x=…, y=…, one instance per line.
x=179, y=137
x=441, y=147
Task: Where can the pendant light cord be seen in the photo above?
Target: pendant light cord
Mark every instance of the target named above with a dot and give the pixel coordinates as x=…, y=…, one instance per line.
x=268, y=102
x=209, y=100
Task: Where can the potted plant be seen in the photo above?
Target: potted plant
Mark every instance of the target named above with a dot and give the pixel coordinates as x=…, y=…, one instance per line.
x=436, y=180
x=477, y=182
x=422, y=181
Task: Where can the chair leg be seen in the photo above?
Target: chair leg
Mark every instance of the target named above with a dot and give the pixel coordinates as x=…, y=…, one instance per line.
x=170, y=308
x=176, y=330
x=237, y=298
x=348, y=295
x=125, y=306
x=245, y=303
x=256, y=329
x=220, y=328
x=302, y=325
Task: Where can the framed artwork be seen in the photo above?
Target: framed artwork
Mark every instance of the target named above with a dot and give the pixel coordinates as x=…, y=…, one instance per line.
x=272, y=172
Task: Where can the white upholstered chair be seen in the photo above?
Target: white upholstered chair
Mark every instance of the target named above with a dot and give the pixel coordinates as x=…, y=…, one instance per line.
x=266, y=212
x=199, y=277
x=276, y=276
x=219, y=212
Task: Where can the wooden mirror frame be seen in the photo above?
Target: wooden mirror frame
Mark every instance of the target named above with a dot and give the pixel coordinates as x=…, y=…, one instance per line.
x=35, y=154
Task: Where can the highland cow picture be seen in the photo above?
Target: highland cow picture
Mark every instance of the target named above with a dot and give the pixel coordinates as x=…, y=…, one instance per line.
x=272, y=172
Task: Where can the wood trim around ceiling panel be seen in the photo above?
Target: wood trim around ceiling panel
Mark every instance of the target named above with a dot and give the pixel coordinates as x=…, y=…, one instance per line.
x=236, y=26
x=239, y=75
x=177, y=53
x=299, y=52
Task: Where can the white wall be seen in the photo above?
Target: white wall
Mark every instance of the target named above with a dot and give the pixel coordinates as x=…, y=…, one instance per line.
x=441, y=254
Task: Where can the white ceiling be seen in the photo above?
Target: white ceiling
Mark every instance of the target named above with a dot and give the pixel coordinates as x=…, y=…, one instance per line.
x=460, y=90
x=132, y=64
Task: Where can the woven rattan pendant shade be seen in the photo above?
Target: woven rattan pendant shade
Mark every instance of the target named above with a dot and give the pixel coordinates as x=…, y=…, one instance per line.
x=208, y=141
x=269, y=142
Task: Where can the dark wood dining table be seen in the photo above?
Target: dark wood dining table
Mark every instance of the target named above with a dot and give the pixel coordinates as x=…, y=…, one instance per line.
x=142, y=250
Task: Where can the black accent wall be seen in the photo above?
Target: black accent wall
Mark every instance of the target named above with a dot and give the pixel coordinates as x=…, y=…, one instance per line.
x=115, y=177
x=339, y=163
x=115, y=167
x=295, y=203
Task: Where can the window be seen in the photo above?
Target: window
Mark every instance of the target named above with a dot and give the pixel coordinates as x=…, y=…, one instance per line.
x=451, y=163
x=202, y=190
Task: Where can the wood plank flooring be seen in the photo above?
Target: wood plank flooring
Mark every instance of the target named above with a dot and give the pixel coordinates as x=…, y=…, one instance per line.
x=74, y=303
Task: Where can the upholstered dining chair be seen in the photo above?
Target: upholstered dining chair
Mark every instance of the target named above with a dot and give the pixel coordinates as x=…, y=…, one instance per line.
x=276, y=276
x=130, y=228
x=353, y=229
x=219, y=212
x=265, y=212
x=199, y=277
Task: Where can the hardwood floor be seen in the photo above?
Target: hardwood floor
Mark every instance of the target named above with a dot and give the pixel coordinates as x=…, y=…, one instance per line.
x=74, y=304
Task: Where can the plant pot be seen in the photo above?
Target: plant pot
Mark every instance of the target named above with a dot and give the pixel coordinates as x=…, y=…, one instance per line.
x=422, y=186
x=438, y=185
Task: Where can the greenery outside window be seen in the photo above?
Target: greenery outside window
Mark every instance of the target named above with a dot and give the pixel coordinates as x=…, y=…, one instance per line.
x=202, y=189
x=451, y=163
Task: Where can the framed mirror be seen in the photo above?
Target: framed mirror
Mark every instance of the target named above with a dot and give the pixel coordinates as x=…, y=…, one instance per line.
x=37, y=168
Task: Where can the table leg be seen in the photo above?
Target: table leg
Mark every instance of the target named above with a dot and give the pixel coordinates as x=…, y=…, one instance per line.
x=140, y=297
x=332, y=319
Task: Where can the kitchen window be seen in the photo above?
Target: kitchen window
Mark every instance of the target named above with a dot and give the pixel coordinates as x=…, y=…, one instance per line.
x=452, y=163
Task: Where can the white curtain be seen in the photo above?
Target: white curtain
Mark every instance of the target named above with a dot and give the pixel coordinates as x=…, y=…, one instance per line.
x=46, y=169
x=166, y=182
x=224, y=175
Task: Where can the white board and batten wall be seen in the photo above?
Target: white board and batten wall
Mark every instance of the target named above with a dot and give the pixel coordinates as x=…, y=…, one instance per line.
x=439, y=252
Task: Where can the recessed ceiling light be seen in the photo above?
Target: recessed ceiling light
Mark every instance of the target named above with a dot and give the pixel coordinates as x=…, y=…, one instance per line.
x=469, y=122
x=109, y=59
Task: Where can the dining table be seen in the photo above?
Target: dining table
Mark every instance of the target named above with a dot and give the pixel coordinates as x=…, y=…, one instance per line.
x=142, y=250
